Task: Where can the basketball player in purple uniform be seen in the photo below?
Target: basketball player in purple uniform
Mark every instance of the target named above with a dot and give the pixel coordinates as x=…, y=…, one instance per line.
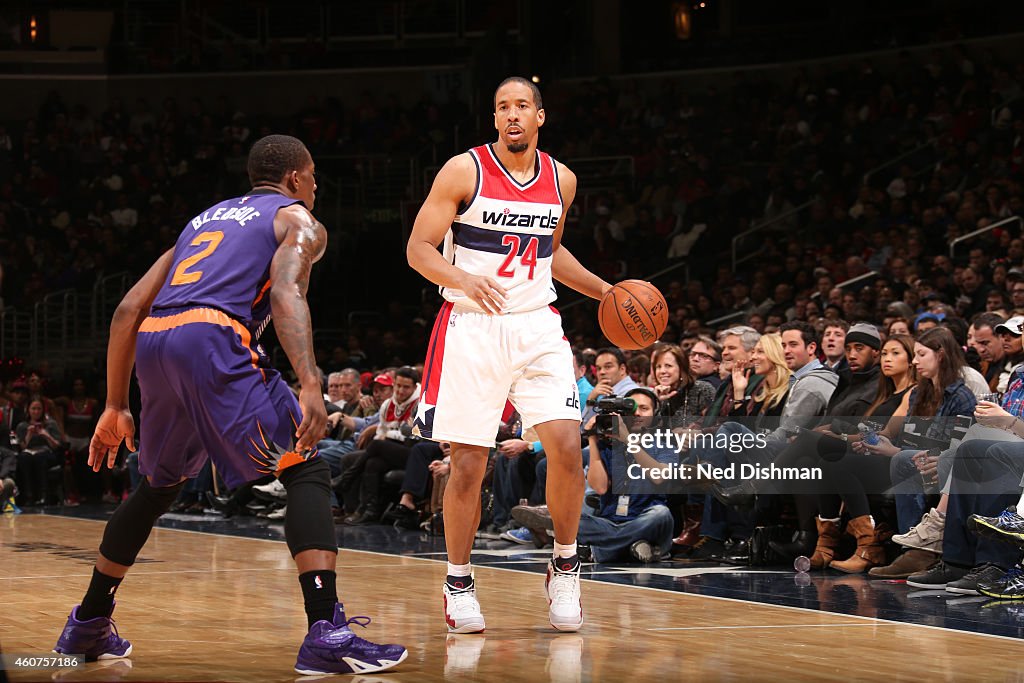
x=191, y=327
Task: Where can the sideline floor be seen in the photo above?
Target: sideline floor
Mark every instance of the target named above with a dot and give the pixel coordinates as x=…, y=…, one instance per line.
x=202, y=606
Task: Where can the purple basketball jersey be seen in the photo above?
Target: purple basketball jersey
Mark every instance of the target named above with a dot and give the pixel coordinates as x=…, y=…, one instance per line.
x=222, y=259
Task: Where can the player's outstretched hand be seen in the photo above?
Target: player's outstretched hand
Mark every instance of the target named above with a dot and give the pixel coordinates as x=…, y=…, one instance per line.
x=314, y=419
x=114, y=426
x=486, y=292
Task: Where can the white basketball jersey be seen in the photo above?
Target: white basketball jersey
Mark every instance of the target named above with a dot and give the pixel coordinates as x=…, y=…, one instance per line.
x=507, y=232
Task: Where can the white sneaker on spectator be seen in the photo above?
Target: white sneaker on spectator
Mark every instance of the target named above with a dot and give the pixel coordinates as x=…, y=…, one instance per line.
x=927, y=535
x=562, y=584
x=462, y=611
x=275, y=490
x=278, y=514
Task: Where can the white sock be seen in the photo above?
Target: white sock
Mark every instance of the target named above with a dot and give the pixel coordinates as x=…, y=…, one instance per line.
x=1020, y=504
x=565, y=551
x=460, y=569
x=834, y=521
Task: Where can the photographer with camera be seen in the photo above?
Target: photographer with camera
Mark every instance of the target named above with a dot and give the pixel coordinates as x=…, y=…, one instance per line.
x=639, y=524
x=612, y=379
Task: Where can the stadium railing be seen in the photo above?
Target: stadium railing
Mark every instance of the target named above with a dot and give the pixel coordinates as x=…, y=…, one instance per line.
x=981, y=231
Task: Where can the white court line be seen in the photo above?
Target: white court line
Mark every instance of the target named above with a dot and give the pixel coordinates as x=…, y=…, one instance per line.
x=732, y=628
x=290, y=570
x=819, y=612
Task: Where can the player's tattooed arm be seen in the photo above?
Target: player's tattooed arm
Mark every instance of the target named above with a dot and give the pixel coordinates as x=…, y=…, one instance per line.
x=564, y=266
x=303, y=243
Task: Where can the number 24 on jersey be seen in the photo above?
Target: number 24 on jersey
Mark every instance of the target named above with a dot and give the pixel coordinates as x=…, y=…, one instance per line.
x=528, y=259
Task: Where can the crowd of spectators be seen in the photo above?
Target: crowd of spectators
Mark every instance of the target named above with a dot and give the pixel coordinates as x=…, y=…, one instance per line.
x=782, y=348
x=84, y=193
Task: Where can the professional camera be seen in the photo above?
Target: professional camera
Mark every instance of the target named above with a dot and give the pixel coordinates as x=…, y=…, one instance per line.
x=609, y=409
x=404, y=435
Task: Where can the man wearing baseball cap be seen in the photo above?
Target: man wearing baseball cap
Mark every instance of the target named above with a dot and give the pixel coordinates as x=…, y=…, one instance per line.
x=366, y=415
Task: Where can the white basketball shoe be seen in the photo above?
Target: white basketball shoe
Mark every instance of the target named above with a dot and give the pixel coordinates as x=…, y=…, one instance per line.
x=461, y=609
x=562, y=584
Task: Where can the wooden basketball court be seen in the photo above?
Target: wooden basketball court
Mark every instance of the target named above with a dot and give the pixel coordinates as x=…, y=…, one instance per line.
x=204, y=607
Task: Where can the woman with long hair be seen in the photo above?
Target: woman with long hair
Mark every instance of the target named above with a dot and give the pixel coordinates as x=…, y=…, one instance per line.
x=848, y=478
x=767, y=366
x=768, y=361
x=38, y=441
x=679, y=394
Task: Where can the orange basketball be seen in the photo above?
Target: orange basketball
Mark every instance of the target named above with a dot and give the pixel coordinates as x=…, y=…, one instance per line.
x=633, y=314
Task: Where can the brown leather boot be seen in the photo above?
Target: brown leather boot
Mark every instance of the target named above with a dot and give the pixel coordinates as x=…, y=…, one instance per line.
x=691, y=525
x=869, y=551
x=910, y=562
x=828, y=541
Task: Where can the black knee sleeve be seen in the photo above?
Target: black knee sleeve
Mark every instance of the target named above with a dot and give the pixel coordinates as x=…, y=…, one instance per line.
x=129, y=527
x=308, y=524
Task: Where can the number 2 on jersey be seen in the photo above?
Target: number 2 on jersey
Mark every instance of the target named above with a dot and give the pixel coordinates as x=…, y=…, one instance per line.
x=182, y=276
x=528, y=259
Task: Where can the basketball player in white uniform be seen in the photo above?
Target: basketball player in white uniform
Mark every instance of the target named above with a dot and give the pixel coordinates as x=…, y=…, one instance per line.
x=500, y=210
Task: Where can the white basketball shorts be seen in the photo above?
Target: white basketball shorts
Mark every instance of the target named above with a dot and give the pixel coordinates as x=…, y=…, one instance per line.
x=475, y=362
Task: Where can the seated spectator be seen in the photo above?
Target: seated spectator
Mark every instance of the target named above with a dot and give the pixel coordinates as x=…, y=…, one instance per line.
x=994, y=364
x=39, y=442
x=679, y=395
x=420, y=467
x=362, y=425
x=899, y=326
x=833, y=345
x=634, y=524
x=639, y=368
x=15, y=410
x=769, y=398
x=343, y=399
x=940, y=393
x=708, y=355
x=36, y=389
x=389, y=449
x=1010, y=334
x=768, y=365
x=972, y=377
x=927, y=321
x=985, y=478
x=848, y=474
x=80, y=414
x=737, y=345
x=705, y=357
x=612, y=378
